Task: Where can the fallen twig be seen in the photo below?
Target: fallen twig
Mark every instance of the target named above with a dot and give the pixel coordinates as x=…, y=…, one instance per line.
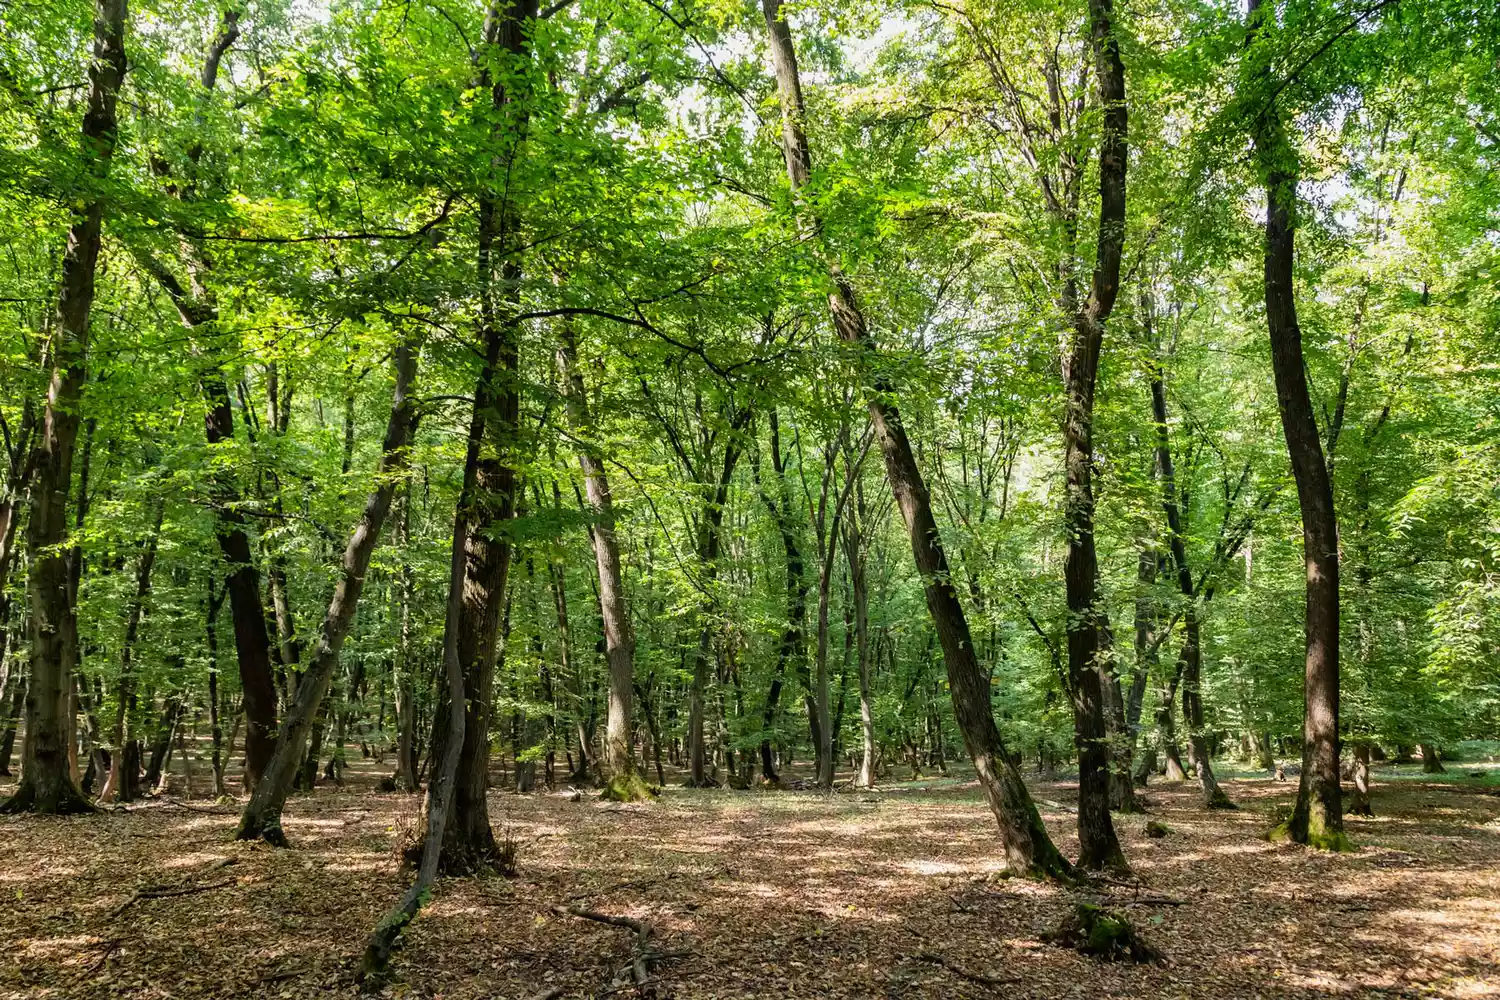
x=167, y=891
x=110, y=947
x=1060, y=806
x=639, y=952
x=962, y=973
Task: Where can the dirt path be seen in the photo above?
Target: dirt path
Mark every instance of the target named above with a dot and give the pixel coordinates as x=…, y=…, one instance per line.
x=755, y=895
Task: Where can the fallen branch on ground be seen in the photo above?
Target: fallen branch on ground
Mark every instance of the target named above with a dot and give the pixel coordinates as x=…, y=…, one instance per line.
x=961, y=972
x=639, y=952
x=164, y=892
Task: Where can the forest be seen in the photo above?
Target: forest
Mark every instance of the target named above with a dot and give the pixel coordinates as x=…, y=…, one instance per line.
x=708, y=499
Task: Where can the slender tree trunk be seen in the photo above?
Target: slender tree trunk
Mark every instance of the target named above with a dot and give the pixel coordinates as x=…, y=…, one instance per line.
x=216, y=718
x=47, y=782
x=1317, y=819
x=709, y=538
x=262, y=816
x=854, y=554
x=1189, y=664
x=619, y=639
x=126, y=694
x=405, y=681
x=1028, y=847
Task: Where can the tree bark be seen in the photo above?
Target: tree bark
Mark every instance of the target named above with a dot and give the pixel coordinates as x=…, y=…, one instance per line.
x=1098, y=845
x=1028, y=848
x=1317, y=819
x=619, y=639
x=47, y=782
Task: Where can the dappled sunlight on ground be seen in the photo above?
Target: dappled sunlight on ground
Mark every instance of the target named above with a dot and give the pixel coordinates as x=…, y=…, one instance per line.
x=757, y=894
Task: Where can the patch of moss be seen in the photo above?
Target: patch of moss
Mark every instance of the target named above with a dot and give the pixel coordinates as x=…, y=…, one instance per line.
x=1102, y=933
x=627, y=788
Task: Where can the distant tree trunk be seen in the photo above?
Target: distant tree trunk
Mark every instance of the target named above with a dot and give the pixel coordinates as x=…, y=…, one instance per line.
x=1360, y=806
x=1431, y=761
x=1147, y=621
x=125, y=695
x=711, y=525
x=221, y=753
x=12, y=716
x=854, y=554
x=47, y=781
x=405, y=681
x=1317, y=818
x=262, y=815
x=1192, y=712
x=1028, y=847
x=619, y=639
x=792, y=650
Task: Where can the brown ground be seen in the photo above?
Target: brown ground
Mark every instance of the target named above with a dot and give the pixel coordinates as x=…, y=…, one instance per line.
x=762, y=895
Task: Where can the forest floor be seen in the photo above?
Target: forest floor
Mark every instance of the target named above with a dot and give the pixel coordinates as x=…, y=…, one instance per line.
x=893, y=893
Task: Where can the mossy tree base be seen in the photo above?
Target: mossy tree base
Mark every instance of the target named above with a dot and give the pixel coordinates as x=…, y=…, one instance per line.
x=1102, y=933
x=1322, y=840
x=628, y=788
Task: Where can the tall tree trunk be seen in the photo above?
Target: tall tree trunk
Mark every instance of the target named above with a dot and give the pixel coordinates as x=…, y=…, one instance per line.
x=1028, y=847
x=619, y=640
x=47, y=783
x=1098, y=845
x=482, y=554
x=1317, y=819
x=262, y=816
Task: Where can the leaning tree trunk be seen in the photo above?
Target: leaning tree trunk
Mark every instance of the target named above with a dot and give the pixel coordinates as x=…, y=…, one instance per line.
x=625, y=783
x=1317, y=819
x=47, y=783
x=262, y=816
x=1028, y=847
x=1189, y=664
